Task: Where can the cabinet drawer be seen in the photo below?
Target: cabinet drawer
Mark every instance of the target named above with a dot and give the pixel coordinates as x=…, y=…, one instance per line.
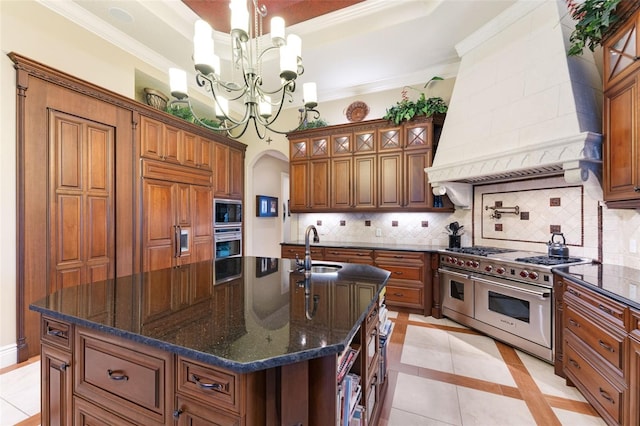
x=126, y=378
x=607, y=344
x=208, y=384
x=192, y=413
x=597, y=389
x=398, y=256
x=89, y=414
x=56, y=333
x=610, y=310
x=403, y=271
x=404, y=296
x=349, y=255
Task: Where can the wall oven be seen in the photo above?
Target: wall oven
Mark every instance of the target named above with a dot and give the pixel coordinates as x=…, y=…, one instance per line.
x=227, y=242
x=227, y=212
x=503, y=293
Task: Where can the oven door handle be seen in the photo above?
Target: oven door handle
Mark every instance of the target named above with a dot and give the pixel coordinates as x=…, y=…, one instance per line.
x=454, y=273
x=542, y=294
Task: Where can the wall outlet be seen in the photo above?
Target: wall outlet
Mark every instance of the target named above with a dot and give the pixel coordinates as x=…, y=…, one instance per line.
x=378, y=232
x=633, y=246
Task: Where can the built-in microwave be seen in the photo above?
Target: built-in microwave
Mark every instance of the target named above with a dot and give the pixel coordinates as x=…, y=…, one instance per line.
x=227, y=212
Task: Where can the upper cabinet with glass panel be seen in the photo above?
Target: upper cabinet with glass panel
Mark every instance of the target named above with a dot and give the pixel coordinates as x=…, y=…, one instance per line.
x=621, y=52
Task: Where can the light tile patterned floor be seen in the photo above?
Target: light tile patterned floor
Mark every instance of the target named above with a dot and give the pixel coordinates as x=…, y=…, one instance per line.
x=440, y=374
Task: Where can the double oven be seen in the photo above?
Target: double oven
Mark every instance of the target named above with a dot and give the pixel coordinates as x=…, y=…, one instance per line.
x=504, y=293
x=227, y=228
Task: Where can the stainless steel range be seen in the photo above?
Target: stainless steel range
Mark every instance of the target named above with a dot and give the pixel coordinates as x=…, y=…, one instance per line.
x=504, y=293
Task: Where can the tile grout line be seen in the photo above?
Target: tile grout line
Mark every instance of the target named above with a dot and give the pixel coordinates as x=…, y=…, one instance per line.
x=531, y=393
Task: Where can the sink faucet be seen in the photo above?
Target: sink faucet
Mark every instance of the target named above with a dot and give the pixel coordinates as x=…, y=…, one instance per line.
x=307, y=248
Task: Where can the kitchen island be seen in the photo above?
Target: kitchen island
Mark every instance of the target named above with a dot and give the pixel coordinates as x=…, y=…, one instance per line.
x=237, y=341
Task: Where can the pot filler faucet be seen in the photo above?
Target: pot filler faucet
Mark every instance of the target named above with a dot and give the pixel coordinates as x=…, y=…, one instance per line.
x=307, y=248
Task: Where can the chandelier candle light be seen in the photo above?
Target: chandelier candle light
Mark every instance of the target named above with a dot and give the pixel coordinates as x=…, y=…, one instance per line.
x=259, y=103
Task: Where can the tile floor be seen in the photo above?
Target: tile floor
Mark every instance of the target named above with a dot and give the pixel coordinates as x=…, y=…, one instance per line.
x=440, y=374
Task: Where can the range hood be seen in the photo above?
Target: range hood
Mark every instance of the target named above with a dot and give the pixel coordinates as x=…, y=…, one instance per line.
x=520, y=107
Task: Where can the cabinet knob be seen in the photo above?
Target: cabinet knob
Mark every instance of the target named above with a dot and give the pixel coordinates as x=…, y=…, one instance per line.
x=176, y=413
x=63, y=366
x=636, y=188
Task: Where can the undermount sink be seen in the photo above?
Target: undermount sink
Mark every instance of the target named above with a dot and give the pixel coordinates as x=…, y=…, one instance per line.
x=323, y=268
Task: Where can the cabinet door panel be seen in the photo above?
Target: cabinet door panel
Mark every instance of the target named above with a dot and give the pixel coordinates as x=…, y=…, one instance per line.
x=81, y=207
x=365, y=181
x=151, y=138
x=298, y=186
x=158, y=222
x=172, y=145
x=417, y=189
x=341, y=182
x=236, y=173
x=319, y=180
x=390, y=186
x=57, y=386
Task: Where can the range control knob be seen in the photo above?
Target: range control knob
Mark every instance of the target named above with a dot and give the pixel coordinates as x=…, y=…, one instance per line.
x=472, y=263
x=524, y=273
x=533, y=275
x=501, y=270
x=488, y=268
x=460, y=262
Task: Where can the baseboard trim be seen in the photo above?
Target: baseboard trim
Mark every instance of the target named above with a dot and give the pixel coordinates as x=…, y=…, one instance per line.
x=8, y=355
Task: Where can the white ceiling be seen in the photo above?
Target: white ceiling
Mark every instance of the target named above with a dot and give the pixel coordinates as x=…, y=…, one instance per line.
x=371, y=46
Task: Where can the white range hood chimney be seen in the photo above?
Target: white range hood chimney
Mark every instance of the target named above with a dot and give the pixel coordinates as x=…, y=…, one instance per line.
x=520, y=106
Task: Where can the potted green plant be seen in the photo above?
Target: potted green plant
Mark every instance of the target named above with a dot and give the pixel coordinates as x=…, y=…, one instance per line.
x=593, y=18
x=186, y=114
x=407, y=109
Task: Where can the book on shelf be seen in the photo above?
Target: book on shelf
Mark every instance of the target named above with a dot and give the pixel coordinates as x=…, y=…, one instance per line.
x=346, y=360
x=351, y=395
x=385, y=329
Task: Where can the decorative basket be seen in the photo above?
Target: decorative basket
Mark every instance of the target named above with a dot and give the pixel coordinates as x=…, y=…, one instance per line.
x=156, y=99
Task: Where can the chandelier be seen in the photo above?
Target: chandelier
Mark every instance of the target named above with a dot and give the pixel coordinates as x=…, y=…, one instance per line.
x=261, y=105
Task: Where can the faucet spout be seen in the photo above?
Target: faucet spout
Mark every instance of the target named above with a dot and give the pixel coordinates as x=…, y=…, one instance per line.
x=307, y=245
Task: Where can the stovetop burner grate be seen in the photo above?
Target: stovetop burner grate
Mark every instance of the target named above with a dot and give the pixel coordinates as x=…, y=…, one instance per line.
x=548, y=260
x=480, y=250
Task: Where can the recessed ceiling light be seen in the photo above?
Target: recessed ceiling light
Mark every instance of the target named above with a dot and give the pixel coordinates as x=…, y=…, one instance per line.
x=120, y=15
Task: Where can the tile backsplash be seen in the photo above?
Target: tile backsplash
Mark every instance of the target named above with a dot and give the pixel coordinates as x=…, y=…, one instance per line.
x=545, y=205
x=531, y=215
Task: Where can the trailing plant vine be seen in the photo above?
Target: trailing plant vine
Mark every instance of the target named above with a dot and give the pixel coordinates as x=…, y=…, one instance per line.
x=593, y=19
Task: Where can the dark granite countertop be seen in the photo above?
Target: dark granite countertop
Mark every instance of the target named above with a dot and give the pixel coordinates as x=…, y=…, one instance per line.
x=243, y=314
x=617, y=282
x=372, y=246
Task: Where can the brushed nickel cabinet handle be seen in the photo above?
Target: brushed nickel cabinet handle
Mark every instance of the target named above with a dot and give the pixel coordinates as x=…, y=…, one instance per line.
x=636, y=188
x=207, y=386
x=606, y=346
x=572, y=291
x=56, y=333
x=574, y=363
x=605, y=309
x=118, y=377
x=606, y=396
x=574, y=323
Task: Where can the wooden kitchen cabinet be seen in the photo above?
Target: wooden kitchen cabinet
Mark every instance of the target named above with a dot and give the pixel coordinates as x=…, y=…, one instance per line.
x=228, y=171
x=372, y=166
x=408, y=281
x=594, y=350
x=198, y=151
x=159, y=141
x=309, y=174
x=56, y=367
x=347, y=255
x=292, y=251
x=621, y=151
